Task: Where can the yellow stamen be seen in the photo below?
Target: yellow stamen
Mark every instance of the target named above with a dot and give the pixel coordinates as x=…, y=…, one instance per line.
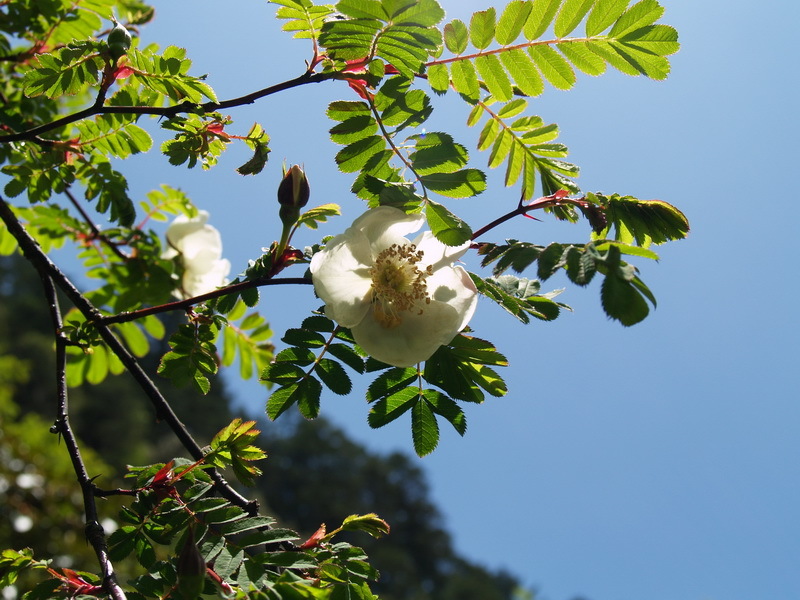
x=398, y=285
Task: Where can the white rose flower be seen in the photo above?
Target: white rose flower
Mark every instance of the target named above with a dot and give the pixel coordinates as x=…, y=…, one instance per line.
x=200, y=248
x=401, y=299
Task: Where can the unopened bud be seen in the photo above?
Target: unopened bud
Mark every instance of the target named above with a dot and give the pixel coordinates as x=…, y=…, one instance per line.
x=294, y=189
x=191, y=569
x=119, y=41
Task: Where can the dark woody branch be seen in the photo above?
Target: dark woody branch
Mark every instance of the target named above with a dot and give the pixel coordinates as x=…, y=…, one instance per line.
x=93, y=530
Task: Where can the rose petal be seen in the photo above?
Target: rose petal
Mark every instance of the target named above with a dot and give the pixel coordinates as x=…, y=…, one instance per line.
x=437, y=254
x=385, y=224
x=343, y=282
x=416, y=338
x=454, y=286
x=196, y=283
x=182, y=226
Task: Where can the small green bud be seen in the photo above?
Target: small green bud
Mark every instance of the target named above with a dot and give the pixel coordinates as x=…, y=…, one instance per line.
x=119, y=41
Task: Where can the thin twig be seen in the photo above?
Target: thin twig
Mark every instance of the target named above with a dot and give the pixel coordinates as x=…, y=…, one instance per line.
x=164, y=411
x=96, y=233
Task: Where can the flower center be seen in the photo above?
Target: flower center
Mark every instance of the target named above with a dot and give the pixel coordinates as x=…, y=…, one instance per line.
x=398, y=285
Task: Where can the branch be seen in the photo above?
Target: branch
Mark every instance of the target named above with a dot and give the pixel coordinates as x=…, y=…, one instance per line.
x=93, y=530
x=166, y=111
x=47, y=268
x=523, y=209
x=188, y=302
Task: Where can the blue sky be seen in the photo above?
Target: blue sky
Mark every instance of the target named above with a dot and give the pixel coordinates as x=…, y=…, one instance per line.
x=657, y=462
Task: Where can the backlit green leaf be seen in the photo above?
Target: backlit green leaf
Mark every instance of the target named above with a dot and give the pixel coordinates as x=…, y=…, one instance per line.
x=481, y=28
x=495, y=78
x=448, y=229
x=456, y=36
x=641, y=14
x=553, y=66
x=464, y=183
x=511, y=22
x=604, y=13
x=570, y=16
x=542, y=13
x=523, y=71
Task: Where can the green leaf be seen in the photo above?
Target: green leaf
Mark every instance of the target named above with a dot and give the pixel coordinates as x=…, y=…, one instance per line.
x=581, y=55
x=303, y=338
x=65, y=71
x=306, y=391
x=555, y=69
x=370, y=523
x=518, y=296
x=285, y=373
x=456, y=36
x=641, y=14
x=353, y=129
x=362, y=9
x=258, y=140
x=465, y=80
x=247, y=524
x=303, y=18
x=298, y=356
x=135, y=338
x=167, y=74
x=319, y=214
x=447, y=408
x=482, y=27
x=464, y=183
x=512, y=21
x=334, y=377
x=424, y=428
x=641, y=221
x=495, y=78
x=523, y=71
x=193, y=356
x=570, y=16
x=603, y=15
x=388, y=409
x=620, y=298
x=355, y=156
x=445, y=226
x=391, y=381
x=542, y=13
x=437, y=153
x=439, y=78
x=348, y=356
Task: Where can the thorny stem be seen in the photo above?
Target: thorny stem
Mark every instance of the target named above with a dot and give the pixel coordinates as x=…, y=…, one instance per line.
x=93, y=530
x=164, y=411
x=524, y=209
